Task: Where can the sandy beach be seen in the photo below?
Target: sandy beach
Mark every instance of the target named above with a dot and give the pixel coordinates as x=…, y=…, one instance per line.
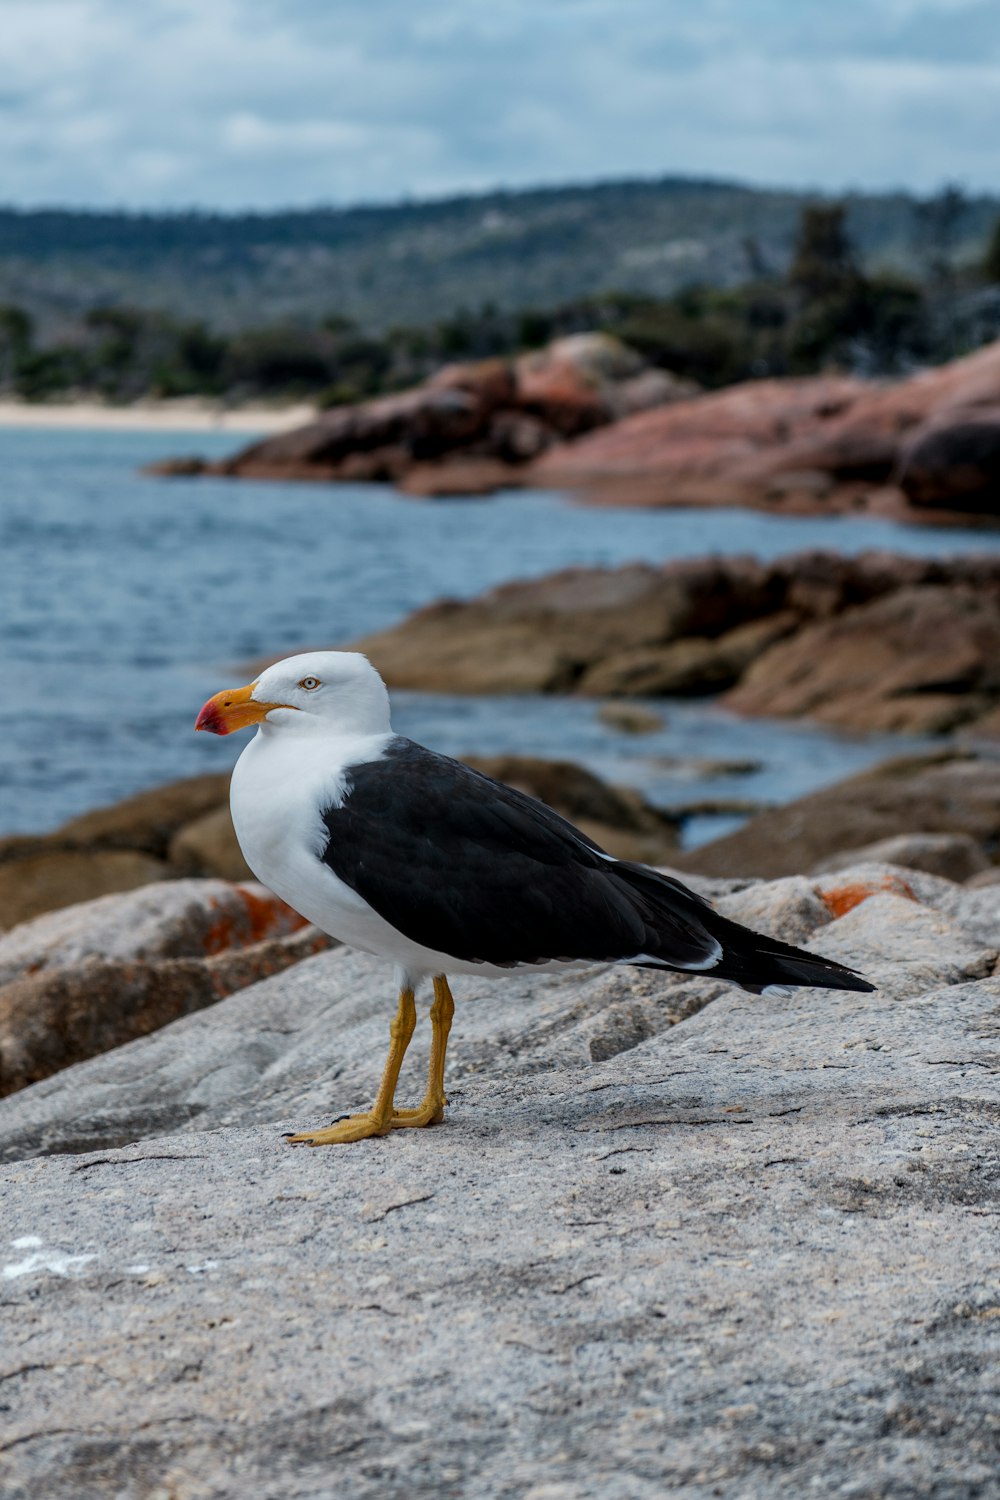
x=179, y=415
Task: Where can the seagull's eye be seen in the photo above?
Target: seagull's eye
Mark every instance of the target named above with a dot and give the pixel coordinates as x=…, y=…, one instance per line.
x=309, y=683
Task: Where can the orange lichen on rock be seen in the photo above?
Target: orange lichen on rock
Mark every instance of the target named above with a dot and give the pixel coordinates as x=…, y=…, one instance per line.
x=840, y=899
x=264, y=916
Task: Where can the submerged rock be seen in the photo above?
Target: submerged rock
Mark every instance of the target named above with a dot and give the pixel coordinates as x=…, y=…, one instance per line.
x=631, y=718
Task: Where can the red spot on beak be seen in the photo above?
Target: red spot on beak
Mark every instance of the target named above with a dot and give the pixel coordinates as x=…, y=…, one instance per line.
x=211, y=719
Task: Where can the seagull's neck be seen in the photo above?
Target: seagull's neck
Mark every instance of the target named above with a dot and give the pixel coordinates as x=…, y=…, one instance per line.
x=285, y=776
x=319, y=744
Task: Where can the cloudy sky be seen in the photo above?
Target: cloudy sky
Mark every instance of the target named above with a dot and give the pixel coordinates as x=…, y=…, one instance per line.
x=263, y=103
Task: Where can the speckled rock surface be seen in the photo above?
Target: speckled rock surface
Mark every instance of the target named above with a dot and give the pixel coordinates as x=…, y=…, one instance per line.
x=172, y=919
x=83, y=979
x=672, y=1239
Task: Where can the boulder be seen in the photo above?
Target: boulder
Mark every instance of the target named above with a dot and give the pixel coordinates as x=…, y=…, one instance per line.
x=922, y=660
x=174, y=919
x=953, y=462
x=492, y=383
x=563, y=391
x=692, y=667
x=671, y=1238
x=85, y=979
x=50, y=1020
x=955, y=856
x=109, y=849
x=60, y=877
x=208, y=846
x=860, y=445
x=949, y=793
x=146, y=821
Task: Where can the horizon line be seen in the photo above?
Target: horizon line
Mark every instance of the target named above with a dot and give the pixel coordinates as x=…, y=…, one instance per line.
x=499, y=191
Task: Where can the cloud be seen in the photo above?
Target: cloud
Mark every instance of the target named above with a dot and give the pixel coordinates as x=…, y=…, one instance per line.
x=268, y=102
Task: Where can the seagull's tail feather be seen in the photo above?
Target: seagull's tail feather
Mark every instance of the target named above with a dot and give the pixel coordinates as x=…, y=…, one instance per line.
x=757, y=963
x=747, y=958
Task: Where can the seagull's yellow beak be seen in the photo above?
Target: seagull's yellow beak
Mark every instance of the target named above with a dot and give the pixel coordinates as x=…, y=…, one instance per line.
x=233, y=708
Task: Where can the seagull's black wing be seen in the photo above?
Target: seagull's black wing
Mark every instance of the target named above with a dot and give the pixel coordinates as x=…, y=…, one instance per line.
x=468, y=867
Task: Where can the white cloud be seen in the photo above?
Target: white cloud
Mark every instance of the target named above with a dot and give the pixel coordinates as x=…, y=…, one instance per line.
x=265, y=102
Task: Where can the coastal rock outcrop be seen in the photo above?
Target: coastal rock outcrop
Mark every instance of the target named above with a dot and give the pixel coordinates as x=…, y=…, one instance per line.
x=873, y=642
x=151, y=836
x=470, y=428
x=953, y=462
x=822, y=443
x=925, y=658
x=587, y=414
x=670, y=1237
x=951, y=793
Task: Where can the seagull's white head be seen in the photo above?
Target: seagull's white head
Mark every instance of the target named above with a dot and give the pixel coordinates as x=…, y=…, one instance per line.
x=339, y=691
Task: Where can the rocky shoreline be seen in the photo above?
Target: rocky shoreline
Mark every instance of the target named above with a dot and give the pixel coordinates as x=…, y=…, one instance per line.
x=587, y=415
x=748, y=1243
x=646, y=1318
x=876, y=642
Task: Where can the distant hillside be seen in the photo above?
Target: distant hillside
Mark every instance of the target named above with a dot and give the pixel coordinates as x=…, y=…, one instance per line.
x=414, y=263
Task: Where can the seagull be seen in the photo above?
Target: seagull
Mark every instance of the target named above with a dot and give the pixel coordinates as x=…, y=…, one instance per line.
x=415, y=857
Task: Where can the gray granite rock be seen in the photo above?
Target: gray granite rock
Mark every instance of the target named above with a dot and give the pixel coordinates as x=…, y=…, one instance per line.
x=671, y=1239
x=171, y=919
x=789, y=909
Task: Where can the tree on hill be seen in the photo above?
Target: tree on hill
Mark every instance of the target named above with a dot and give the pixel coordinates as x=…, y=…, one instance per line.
x=15, y=341
x=938, y=220
x=991, y=260
x=823, y=261
x=844, y=317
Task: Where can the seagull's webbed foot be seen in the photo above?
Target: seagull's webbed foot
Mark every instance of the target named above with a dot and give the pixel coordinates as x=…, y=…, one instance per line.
x=353, y=1128
x=382, y=1117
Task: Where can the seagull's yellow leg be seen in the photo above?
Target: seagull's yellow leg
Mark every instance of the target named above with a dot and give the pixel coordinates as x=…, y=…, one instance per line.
x=431, y=1112
x=379, y=1119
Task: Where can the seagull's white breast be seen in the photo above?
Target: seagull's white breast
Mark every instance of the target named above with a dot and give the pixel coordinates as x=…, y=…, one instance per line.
x=281, y=786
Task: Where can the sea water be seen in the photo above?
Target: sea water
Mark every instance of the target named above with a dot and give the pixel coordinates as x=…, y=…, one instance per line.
x=126, y=600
